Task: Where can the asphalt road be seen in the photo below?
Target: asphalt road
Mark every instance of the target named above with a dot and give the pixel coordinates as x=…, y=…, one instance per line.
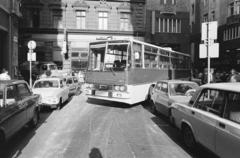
x=100, y=129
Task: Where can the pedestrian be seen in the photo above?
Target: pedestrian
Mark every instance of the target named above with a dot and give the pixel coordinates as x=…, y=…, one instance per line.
x=4, y=75
x=233, y=77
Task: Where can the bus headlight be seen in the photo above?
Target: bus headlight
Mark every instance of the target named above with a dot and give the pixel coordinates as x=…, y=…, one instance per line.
x=117, y=88
x=123, y=88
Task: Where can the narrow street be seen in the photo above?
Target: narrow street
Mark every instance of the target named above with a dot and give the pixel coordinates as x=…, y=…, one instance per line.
x=98, y=129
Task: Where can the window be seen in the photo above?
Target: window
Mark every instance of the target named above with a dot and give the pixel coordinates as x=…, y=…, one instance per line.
x=23, y=90
x=167, y=25
x=57, y=18
x=232, y=110
x=173, y=2
x=205, y=17
x=103, y=20
x=137, y=50
x=11, y=95
x=231, y=9
x=124, y=21
x=35, y=20
x=81, y=19
x=193, y=9
x=213, y=15
x=75, y=54
x=164, y=1
x=212, y=101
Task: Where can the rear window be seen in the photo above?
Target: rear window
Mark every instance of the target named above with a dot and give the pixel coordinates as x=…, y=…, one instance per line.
x=47, y=84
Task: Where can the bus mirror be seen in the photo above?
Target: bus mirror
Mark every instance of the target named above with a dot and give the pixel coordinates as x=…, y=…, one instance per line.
x=137, y=55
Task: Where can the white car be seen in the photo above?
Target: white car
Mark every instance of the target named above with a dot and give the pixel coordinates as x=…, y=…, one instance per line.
x=53, y=92
x=166, y=92
x=211, y=118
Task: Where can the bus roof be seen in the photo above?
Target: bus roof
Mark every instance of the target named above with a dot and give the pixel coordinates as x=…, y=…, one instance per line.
x=123, y=41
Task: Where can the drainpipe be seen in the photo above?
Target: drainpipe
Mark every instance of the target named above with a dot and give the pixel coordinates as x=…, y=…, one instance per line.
x=10, y=40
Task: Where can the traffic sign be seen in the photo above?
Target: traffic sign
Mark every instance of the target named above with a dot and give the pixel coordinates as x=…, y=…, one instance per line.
x=31, y=56
x=213, y=50
x=212, y=28
x=32, y=45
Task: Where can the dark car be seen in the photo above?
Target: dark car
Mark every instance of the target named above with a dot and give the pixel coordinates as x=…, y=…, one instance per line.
x=18, y=107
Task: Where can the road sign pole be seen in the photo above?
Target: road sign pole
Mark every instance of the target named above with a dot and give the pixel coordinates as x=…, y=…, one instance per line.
x=208, y=54
x=30, y=68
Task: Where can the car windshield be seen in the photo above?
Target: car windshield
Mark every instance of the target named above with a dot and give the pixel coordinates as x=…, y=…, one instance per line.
x=53, y=67
x=180, y=89
x=47, y=84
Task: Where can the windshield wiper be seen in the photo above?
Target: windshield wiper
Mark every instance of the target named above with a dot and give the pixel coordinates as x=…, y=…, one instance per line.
x=113, y=72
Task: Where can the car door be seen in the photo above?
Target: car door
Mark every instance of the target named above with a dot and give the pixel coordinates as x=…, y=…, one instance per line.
x=204, y=115
x=13, y=116
x=64, y=91
x=162, y=99
x=70, y=85
x=228, y=128
x=27, y=100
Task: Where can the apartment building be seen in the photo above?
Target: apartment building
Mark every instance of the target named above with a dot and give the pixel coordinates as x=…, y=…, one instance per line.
x=167, y=24
x=64, y=28
x=9, y=14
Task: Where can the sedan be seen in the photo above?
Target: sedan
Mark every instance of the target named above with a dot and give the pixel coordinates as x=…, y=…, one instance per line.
x=52, y=90
x=18, y=107
x=166, y=92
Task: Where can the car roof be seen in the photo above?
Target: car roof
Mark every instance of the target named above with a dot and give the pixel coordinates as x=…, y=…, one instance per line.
x=11, y=81
x=4, y=83
x=176, y=81
x=48, y=78
x=235, y=87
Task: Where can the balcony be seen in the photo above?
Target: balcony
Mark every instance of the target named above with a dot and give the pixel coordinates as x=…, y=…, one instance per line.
x=233, y=19
x=168, y=9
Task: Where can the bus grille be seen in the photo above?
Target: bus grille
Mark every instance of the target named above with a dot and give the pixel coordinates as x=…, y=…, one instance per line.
x=104, y=87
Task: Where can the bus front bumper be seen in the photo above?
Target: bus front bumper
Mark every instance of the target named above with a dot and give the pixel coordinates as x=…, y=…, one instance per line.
x=108, y=94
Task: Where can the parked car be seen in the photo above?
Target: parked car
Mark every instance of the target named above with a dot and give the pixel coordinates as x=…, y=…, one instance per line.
x=53, y=91
x=73, y=84
x=166, y=92
x=211, y=118
x=18, y=107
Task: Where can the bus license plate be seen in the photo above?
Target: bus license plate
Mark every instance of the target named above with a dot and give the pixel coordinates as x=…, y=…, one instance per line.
x=101, y=93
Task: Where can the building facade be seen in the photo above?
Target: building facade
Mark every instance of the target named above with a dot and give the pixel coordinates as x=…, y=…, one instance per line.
x=64, y=28
x=167, y=24
x=226, y=13
x=10, y=14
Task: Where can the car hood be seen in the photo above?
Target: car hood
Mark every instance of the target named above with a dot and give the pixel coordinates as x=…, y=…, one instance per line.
x=180, y=99
x=46, y=92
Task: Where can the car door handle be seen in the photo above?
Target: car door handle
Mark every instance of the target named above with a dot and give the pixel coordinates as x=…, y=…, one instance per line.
x=193, y=112
x=222, y=125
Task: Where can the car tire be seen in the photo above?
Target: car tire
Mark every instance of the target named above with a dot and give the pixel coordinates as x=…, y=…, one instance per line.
x=188, y=138
x=59, y=106
x=34, y=121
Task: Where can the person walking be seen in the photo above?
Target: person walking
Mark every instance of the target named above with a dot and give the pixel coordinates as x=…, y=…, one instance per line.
x=4, y=75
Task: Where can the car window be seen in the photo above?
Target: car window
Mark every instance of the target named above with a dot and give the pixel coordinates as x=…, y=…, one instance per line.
x=46, y=84
x=232, y=110
x=1, y=98
x=212, y=101
x=164, y=87
x=69, y=81
x=11, y=97
x=180, y=88
x=61, y=83
x=158, y=86
x=75, y=80
x=23, y=90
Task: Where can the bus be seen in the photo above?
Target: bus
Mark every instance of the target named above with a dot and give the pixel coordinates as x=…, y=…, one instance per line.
x=124, y=70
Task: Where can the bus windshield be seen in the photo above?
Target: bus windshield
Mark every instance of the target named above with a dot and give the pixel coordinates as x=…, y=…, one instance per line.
x=114, y=59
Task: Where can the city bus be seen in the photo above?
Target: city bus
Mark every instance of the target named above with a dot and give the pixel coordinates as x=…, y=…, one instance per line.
x=124, y=70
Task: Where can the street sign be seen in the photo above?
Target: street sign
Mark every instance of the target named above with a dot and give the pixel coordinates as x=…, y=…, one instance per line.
x=213, y=50
x=31, y=56
x=32, y=45
x=212, y=32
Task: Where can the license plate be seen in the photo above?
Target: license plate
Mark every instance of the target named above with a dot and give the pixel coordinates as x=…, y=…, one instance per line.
x=101, y=93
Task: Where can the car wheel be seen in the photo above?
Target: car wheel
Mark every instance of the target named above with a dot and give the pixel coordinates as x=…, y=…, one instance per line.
x=188, y=138
x=59, y=104
x=152, y=106
x=2, y=140
x=34, y=121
